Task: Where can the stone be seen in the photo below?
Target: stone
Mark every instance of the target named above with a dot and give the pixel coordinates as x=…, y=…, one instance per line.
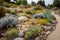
x=48, y=32
x=21, y=34
x=42, y=33
x=37, y=38
x=22, y=18
x=19, y=39
x=47, y=28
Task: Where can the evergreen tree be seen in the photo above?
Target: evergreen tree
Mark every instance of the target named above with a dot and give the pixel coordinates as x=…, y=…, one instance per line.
x=7, y=0
x=18, y=2
x=56, y=3
x=41, y=2
x=33, y=3
x=24, y=2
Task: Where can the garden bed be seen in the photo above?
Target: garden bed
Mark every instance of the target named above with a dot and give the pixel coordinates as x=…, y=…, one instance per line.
x=33, y=24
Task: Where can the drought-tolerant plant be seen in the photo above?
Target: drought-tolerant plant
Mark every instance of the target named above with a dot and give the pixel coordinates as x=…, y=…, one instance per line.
x=32, y=32
x=38, y=8
x=8, y=21
x=2, y=11
x=12, y=33
x=48, y=15
x=13, y=12
x=42, y=21
x=22, y=14
x=28, y=12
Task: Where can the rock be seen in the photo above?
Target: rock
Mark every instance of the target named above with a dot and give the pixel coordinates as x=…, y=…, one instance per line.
x=39, y=15
x=19, y=39
x=37, y=38
x=48, y=32
x=21, y=34
x=47, y=28
x=22, y=18
x=42, y=33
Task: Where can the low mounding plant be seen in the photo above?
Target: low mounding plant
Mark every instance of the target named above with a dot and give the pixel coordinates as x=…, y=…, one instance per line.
x=49, y=16
x=12, y=33
x=38, y=8
x=32, y=32
x=11, y=11
x=8, y=21
x=42, y=21
x=2, y=11
x=28, y=12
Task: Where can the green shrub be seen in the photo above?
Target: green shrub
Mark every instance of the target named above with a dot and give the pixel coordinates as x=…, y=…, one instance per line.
x=42, y=21
x=37, y=8
x=12, y=33
x=33, y=32
x=2, y=11
x=22, y=14
x=13, y=12
x=6, y=5
x=28, y=12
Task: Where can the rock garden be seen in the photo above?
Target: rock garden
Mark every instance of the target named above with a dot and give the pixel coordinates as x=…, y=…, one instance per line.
x=25, y=22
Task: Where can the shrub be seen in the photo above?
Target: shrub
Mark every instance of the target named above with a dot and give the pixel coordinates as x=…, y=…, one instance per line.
x=38, y=8
x=6, y=4
x=13, y=12
x=28, y=12
x=22, y=14
x=33, y=32
x=2, y=11
x=42, y=21
x=12, y=33
x=8, y=21
x=48, y=15
x=53, y=17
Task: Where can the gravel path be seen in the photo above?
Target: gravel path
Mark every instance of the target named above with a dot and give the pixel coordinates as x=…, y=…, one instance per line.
x=56, y=34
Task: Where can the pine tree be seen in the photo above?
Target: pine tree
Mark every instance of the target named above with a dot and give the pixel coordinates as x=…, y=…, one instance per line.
x=41, y=2
x=56, y=3
x=33, y=3
x=24, y=2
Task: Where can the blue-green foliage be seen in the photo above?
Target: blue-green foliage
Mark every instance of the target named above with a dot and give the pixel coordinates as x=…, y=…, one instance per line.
x=8, y=21
x=48, y=15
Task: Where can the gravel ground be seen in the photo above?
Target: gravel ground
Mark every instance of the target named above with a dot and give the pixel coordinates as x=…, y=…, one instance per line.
x=56, y=34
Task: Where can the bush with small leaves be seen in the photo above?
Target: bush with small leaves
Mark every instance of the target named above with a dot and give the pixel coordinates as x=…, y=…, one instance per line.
x=29, y=12
x=2, y=11
x=42, y=21
x=8, y=21
x=32, y=32
x=12, y=33
x=38, y=8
